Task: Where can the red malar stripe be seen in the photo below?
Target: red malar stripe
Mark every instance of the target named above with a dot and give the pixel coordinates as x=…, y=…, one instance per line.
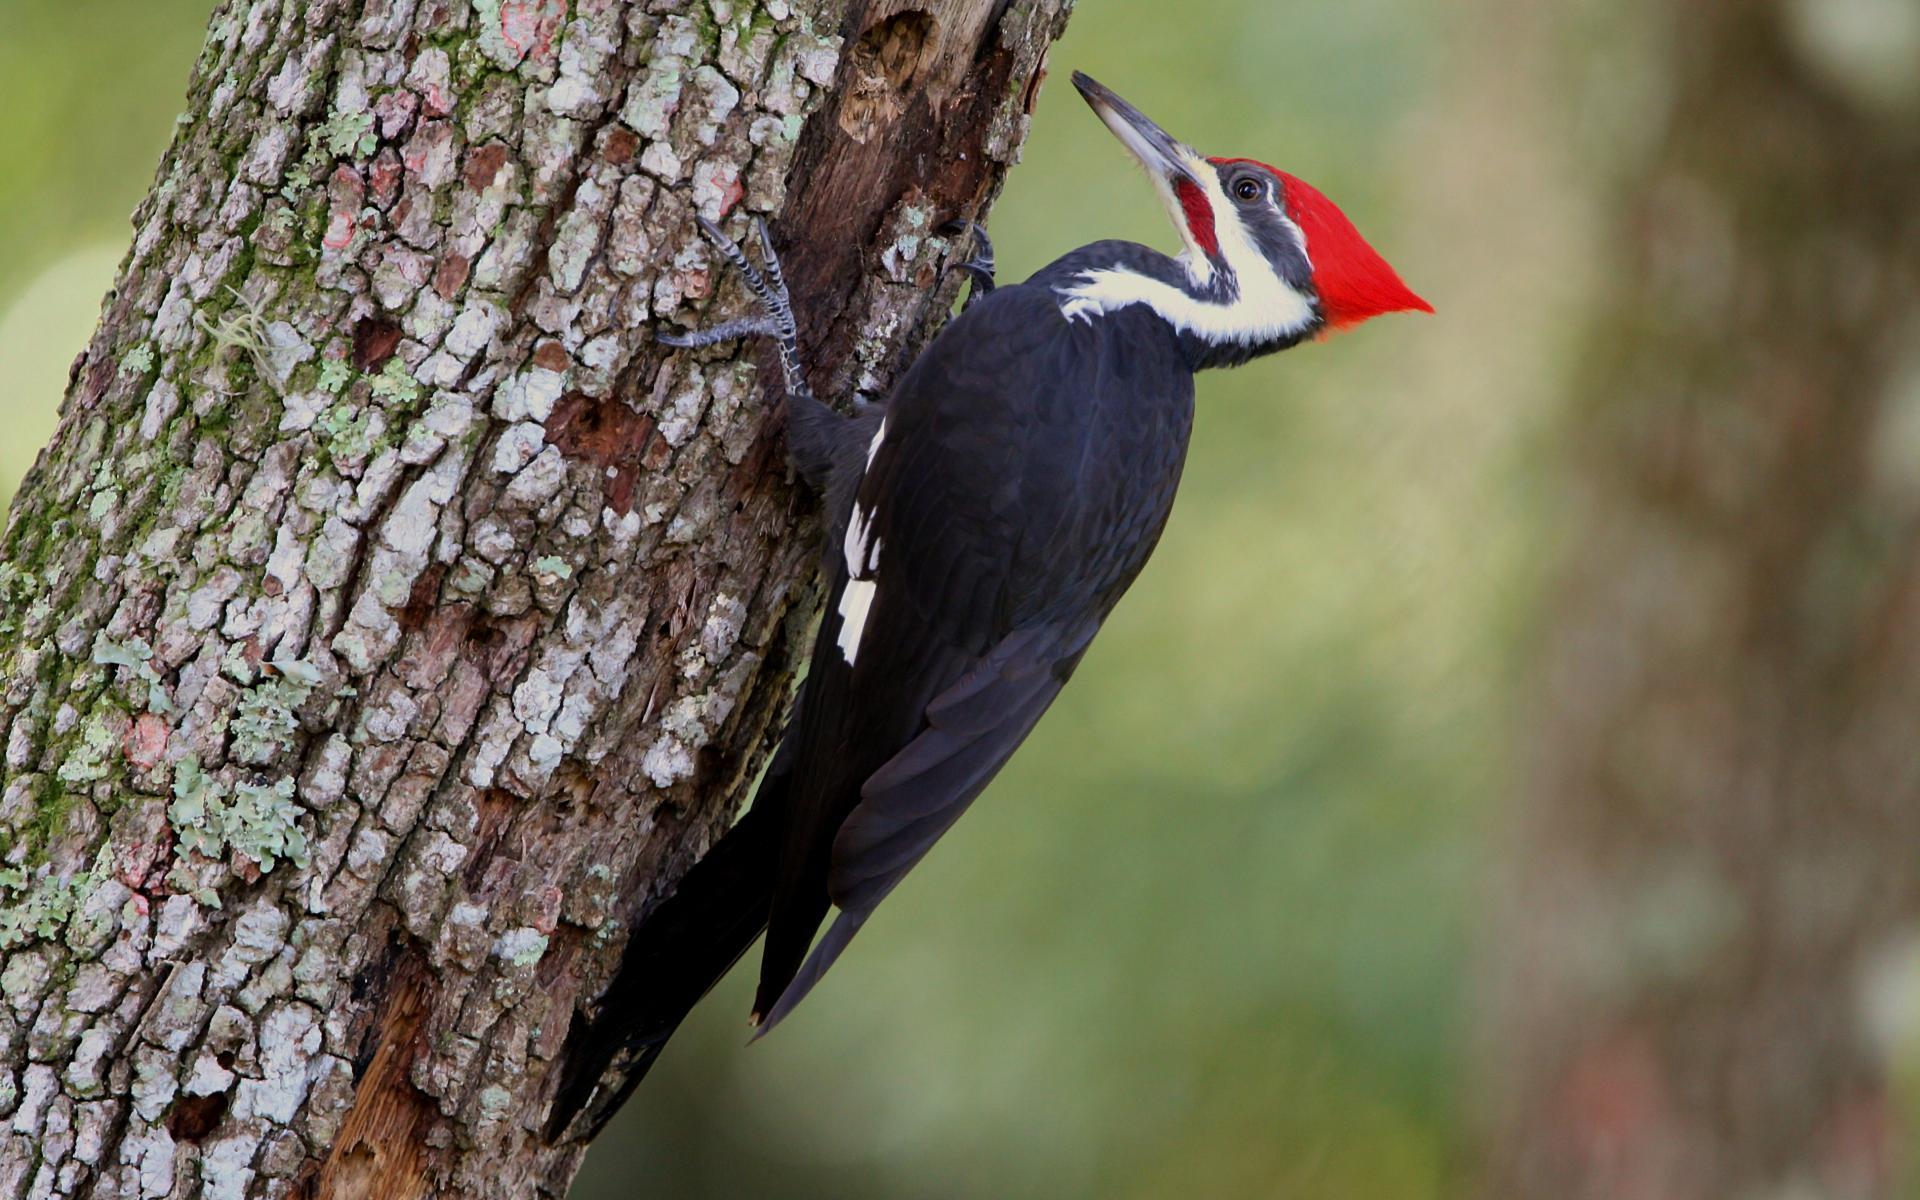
x=1199, y=213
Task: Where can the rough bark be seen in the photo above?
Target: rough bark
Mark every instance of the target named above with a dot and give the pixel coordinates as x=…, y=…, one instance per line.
x=389, y=618
x=1709, y=987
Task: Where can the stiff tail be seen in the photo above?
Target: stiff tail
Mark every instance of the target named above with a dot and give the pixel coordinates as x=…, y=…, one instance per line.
x=674, y=958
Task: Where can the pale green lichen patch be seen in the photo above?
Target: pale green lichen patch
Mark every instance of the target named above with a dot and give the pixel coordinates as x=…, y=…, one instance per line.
x=395, y=384
x=298, y=182
x=105, y=494
x=262, y=824
x=495, y=1102
x=194, y=794
x=282, y=221
x=18, y=589
x=651, y=102
x=91, y=757
x=352, y=432
x=520, y=947
x=136, y=657
x=346, y=432
x=335, y=374
x=487, y=14
x=258, y=821
x=42, y=909
x=348, y=134
x=264, y=723
x=138, y=361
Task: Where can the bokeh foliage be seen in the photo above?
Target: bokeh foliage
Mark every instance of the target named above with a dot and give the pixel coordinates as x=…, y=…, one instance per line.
x=90, y=92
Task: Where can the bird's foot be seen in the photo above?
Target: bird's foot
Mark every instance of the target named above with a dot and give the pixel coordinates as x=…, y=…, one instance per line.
x=769, y=287
x=979, y=268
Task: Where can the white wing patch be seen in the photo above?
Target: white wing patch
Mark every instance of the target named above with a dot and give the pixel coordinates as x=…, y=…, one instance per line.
x=862, y=552
x=859, y=527
x=855, y=601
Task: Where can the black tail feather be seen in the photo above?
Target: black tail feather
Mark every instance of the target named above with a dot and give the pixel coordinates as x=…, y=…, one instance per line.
x=824, y=955
x=677, y=955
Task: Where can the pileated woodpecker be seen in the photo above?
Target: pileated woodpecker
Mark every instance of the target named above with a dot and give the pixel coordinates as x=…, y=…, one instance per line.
x=982, y=524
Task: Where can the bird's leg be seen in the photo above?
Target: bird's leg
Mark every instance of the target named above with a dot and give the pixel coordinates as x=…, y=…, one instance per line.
x=775, y=319
x=818, y=438
x=821, y=443
x=769, y=287
x=979, y=268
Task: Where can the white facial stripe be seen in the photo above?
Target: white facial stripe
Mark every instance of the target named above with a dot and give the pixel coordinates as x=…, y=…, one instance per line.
x=1194, y=258
x=1266, y=309
x=1244, y=258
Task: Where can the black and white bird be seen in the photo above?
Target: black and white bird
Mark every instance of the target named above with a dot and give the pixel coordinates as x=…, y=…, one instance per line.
x=982, y=524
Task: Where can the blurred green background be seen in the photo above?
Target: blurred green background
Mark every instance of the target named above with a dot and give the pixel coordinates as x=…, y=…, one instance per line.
x=1212, y=933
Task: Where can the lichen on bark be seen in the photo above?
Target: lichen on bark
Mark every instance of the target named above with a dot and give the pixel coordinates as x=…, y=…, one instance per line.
x=389, y=618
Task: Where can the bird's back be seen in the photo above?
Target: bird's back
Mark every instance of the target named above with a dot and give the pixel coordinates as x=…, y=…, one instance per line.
x=1042, y=436
x=1024, y=471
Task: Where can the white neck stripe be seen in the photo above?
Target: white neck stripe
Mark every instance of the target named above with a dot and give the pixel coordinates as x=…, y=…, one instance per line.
x=1265, y=310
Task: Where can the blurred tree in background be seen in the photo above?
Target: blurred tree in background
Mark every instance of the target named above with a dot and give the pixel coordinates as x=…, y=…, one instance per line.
x=1712, y=949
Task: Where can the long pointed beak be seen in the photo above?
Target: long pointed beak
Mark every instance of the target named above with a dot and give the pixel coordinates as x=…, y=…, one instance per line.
x=1165, y=158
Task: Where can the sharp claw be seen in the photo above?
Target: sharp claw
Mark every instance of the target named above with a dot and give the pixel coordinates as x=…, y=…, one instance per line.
x=980, y=267
x=978, y=272
x=712, y=232
x=982, y=274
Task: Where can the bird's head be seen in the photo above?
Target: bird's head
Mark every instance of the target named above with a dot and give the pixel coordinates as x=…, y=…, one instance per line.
x=1268, y=250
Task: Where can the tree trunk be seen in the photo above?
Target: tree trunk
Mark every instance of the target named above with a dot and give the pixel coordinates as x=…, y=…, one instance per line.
x=1709, y=982
x=390, y=618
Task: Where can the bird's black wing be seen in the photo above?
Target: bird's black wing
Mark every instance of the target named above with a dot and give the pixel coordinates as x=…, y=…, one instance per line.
x=929, y=533
x=972, y=729
x=985, y=527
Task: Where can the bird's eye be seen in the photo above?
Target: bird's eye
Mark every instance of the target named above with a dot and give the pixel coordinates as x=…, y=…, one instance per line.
x=1248, y=190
